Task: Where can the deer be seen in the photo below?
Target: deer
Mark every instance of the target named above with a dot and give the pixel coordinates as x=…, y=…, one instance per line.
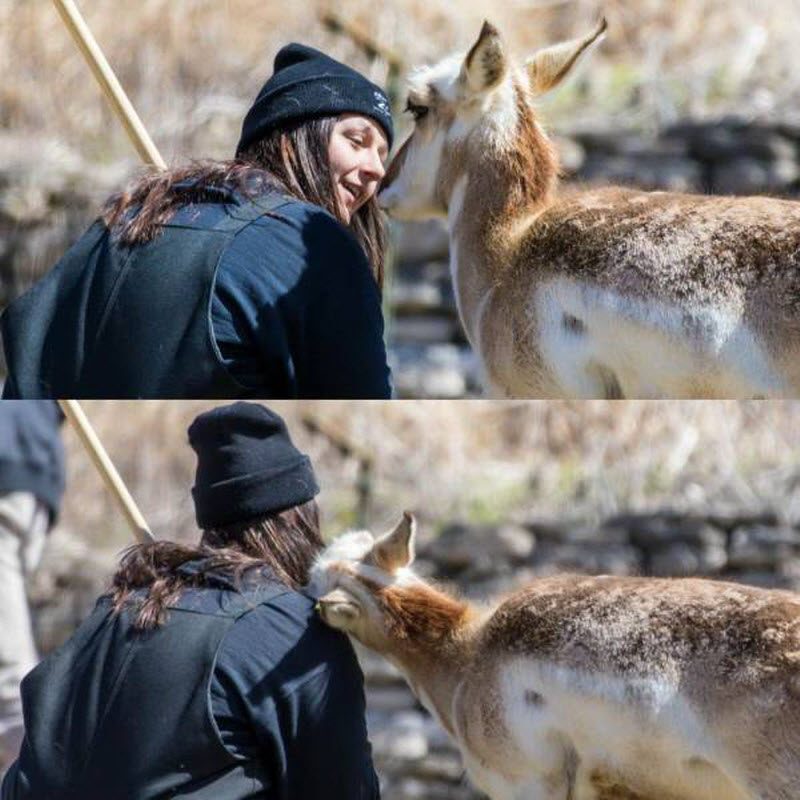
x=580, y=292
x=586, y=688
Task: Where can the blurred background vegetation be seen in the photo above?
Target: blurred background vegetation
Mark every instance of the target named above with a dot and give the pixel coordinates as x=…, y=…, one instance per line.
x=478, y=461
x=192, y=66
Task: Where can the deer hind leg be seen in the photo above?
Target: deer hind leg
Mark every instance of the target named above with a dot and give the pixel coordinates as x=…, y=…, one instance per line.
x=606, y=380
x=544, y=789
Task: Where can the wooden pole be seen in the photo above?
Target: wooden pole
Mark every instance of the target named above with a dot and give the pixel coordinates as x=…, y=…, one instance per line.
x=74, y=413
x=108, y=82
x=148, y=152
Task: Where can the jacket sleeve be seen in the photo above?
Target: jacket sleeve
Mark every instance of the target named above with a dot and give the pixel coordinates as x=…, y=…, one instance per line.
x=290, y=695
x=344, y=354
x=296, y=310
x=323, y=725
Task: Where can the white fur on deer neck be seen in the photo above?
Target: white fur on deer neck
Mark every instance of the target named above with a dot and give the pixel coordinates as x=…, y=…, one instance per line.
x=469, y=283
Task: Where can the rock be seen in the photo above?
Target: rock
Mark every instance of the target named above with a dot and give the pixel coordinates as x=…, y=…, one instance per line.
x=424, y=329
x=401, y=738
x=479, y=549
x=420, y=241
x=377, y=670
x=789, y=570
x=605, y=534
x=761, y=547
x=390, y=698
x=646, y=171
x=571, y=153
x=766, y=580
x=650, y=531
x=416, y=789
x=631, y=144
x=745, y=175
x=440, y=766
x=681, y=560
x=415, y=298
x=729, y=520
x=588, y=558
x=442, y=370
x=552, y=530
x=730, y=140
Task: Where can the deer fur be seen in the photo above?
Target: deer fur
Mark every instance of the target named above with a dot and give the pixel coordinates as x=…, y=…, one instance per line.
x=587, y=688
x=608, y=292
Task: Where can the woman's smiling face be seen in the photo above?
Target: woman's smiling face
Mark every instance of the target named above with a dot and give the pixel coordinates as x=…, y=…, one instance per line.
x=357, y=151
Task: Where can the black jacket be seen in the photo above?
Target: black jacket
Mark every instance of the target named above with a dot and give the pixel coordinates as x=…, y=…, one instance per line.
x=268, y=297
x=241, y=694
x=31, y=452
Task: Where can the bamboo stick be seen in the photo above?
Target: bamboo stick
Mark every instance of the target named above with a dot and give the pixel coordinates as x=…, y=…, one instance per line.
x=148, y=152
x=74, y=413
x=108, y=82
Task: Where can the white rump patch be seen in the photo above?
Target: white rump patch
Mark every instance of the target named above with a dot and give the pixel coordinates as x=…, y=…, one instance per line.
x=615, y=726
x=588, y=334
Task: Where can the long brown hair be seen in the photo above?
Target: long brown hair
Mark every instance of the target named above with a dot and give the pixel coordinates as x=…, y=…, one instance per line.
x=293, y=160
x=284, y=543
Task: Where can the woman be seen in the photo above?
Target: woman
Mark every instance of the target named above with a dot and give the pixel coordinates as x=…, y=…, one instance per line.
x=256, y=277
x=206, y=672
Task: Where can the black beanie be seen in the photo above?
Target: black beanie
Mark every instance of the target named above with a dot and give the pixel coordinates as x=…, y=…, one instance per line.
x=306, y=83
x=246, y=465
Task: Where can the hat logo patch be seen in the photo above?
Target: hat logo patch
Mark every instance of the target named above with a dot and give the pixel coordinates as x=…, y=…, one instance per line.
x=381, y=104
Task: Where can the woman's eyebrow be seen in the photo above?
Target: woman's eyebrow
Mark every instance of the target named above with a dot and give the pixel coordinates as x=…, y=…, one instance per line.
x=382, y=149
x=366, y=129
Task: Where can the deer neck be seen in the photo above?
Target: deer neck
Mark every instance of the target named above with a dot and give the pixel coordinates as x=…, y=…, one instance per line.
x=492, y=203
x=434, y=656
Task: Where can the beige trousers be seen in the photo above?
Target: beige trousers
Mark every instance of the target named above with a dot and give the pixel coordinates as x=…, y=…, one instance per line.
x=23, y=525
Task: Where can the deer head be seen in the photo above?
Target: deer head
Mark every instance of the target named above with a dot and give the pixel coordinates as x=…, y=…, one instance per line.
x=466, y=108
x=354, y=575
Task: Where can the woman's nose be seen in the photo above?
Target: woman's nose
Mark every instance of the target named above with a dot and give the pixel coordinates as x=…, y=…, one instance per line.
x=374, y=166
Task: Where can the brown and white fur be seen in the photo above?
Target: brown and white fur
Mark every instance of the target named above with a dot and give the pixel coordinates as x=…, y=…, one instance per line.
x=587, y=688
x=608, y=292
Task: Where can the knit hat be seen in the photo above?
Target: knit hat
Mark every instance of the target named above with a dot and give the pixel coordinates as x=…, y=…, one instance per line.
x=246, y=465
x=306, y=83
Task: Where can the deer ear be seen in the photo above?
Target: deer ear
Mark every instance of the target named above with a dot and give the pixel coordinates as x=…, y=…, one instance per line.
x=486, y=64
x=547, y=68
x=396, y=548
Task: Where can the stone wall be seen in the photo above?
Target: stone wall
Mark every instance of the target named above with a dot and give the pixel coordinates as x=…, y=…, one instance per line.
x=47, y=198
x=414, y=757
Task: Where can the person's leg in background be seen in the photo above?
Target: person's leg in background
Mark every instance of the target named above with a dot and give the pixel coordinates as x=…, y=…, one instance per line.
x=24, y=521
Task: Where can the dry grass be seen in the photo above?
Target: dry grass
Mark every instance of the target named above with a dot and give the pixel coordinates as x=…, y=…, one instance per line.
x=192, y=66
x=478, y=460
